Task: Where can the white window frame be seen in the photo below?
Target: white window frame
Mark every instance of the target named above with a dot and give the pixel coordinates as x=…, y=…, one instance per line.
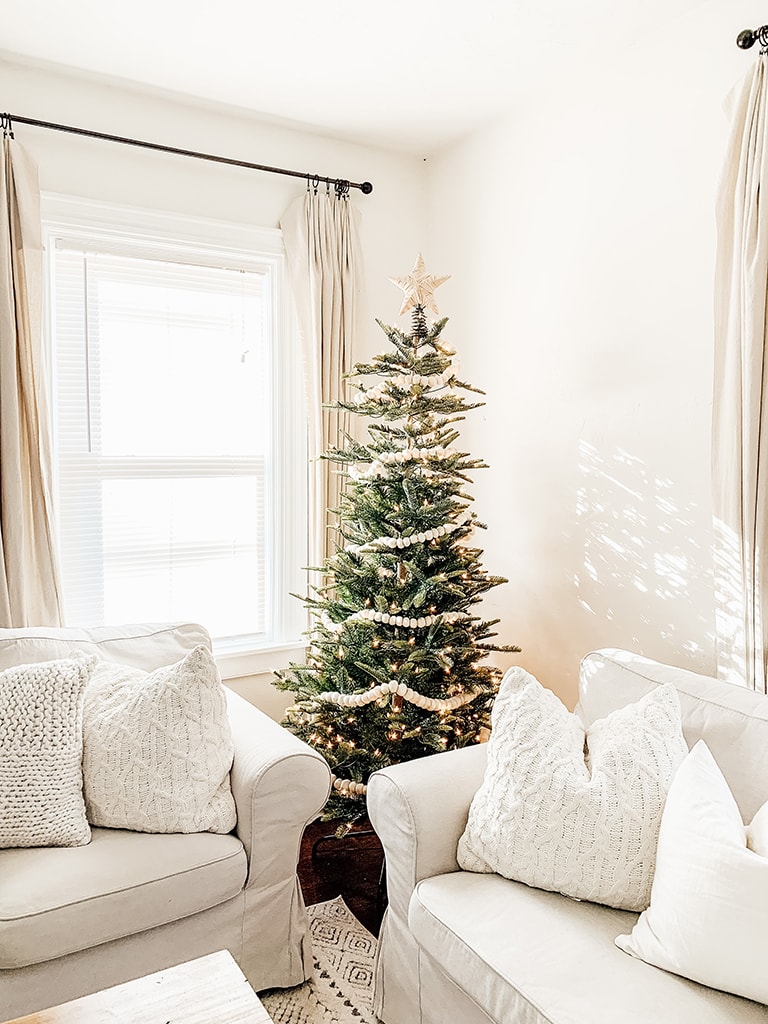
x=111, y=227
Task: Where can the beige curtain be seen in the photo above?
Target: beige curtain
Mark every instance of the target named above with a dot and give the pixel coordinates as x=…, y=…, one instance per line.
x=740, y=411
x=322, y=245
x=29, y=588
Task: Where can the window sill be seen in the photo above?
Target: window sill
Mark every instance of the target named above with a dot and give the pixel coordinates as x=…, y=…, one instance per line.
x=236, y=664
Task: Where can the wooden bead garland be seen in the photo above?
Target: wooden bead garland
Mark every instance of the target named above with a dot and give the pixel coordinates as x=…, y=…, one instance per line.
x=400, y=543
x=346, y=787
x=377, y=467
x=358, y=700
x=370, y=615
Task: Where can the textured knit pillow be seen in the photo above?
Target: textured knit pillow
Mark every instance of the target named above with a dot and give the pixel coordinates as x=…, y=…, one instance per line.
x=158, y=748
x=571, y=813
x=709, y=902
x=41, y=750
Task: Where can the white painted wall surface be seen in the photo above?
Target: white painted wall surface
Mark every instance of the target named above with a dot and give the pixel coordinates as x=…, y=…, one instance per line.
x=393, y=216
x=580, y=234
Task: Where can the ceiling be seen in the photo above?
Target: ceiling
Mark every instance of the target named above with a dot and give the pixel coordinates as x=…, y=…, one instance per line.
x=409, y=75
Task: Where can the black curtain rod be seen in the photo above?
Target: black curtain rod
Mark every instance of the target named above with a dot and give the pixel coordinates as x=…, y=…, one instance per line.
x=341, y=185
x=750, y=36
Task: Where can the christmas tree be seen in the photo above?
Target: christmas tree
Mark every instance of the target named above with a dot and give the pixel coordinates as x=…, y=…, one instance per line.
x=393, y=666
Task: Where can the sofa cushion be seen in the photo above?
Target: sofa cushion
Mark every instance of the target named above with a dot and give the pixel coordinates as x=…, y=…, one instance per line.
x=570, y=810
x=709, y=906
x=55, y=901
x=158, y=747
x=731, y=720
x=537, y=957
x=41, y=752
x=143, y=645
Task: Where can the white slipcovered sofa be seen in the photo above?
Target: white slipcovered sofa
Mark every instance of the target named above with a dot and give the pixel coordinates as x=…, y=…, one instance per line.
x=480, y=948
x=77, y=919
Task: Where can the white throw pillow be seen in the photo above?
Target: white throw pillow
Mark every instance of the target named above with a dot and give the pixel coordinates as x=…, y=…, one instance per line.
x=708, y=918
x=569, y=812
x=158, y=748
x=41, y=750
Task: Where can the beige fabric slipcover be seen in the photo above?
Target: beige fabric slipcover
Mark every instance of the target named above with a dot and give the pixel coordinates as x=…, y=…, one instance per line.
x=146, y=645
x=536, y=957
x=484, y=950
x=51, y=906
x=73, y=921
x=732, y=720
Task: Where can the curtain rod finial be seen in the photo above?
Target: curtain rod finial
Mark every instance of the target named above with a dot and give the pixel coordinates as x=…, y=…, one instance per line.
x=366, y=188
x=746, y=39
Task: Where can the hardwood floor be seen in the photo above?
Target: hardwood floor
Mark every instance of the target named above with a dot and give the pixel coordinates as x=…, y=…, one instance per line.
x=350, y=867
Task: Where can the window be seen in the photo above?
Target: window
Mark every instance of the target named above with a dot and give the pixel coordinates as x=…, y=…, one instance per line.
x=181, y=467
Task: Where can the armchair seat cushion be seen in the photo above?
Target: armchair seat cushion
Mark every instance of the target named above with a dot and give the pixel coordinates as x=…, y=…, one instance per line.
x=55, y=901
x=538, y=957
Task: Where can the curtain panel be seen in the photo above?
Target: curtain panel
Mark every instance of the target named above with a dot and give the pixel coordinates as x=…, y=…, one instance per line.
x=29, y=578
x=740, y=406
x=321, y=234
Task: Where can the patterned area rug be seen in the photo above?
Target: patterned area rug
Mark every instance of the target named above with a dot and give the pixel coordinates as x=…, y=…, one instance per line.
x=341, y=989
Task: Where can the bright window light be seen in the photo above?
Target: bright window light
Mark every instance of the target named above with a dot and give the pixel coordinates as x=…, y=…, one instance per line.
x=178, y=462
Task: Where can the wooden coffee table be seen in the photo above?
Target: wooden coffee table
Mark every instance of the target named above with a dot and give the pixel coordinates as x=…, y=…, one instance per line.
x=211, y=990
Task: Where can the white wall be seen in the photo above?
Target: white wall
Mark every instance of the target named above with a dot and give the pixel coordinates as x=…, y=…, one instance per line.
x=580, y=234
x=393, y=216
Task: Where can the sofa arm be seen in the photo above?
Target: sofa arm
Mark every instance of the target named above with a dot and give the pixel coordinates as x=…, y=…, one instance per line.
x=279, y=783
x=419, y=810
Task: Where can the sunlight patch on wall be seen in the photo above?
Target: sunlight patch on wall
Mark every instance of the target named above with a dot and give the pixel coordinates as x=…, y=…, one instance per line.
x=642, y=568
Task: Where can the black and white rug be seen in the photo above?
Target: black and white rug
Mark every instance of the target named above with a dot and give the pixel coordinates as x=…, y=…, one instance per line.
x=341, y=989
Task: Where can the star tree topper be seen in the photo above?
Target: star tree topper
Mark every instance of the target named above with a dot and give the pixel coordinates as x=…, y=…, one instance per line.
x=418, y=287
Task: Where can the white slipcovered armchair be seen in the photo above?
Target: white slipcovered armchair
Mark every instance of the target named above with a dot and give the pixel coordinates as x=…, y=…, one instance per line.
x=77, y=919
x=479, y=948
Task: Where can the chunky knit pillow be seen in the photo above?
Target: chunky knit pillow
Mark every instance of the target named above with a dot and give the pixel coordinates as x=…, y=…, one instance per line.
x=571, y=813
x=158, y=748
x=41, y=749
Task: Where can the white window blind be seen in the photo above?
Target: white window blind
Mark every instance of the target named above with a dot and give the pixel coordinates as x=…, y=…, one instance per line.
x=173, y=471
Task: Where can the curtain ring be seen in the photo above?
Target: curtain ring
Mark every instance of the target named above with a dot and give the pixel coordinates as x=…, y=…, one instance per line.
x=341, y=187
x=7, y=125
x=315, y=182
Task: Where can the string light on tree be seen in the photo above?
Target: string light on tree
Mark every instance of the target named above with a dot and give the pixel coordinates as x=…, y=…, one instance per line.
x=394, y=665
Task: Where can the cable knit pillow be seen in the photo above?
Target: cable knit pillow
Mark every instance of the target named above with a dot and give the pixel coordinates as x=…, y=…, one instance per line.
x=41, y=750
x=569, y=812
x=158, y=748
